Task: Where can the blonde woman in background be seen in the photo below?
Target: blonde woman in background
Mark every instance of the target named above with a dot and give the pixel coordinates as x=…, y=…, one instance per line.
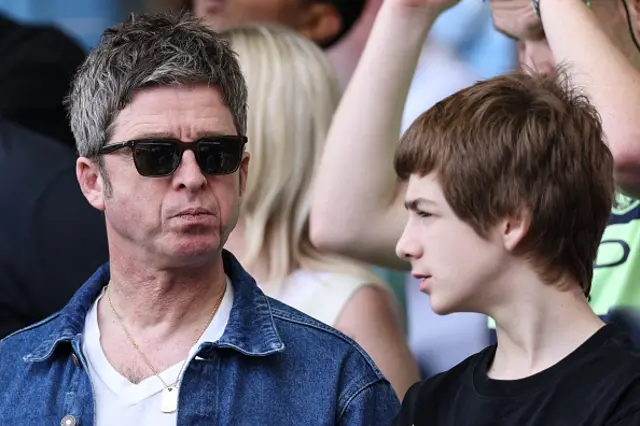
x=293, y=93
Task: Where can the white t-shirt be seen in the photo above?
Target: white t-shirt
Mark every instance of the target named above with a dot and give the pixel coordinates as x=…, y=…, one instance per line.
x=321, y=295
x=120, y=402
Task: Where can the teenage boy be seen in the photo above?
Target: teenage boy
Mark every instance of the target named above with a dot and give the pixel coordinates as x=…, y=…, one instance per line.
x=512, y=179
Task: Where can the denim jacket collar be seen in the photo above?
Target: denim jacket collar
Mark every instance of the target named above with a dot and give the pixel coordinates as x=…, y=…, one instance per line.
x=250, y=329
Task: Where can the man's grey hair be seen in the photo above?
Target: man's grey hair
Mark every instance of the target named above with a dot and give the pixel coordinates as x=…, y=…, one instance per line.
x=146, y=51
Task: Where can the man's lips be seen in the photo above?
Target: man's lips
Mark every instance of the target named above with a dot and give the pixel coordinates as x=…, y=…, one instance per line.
x=196, y=211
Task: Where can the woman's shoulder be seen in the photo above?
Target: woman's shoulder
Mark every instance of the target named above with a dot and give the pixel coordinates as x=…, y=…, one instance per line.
x=325, y=292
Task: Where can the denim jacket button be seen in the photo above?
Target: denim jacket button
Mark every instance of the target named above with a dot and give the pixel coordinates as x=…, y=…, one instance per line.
x=68, y=421
x=76, y=360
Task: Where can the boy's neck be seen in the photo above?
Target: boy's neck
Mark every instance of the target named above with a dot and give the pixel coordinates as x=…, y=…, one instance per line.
x=538, y=327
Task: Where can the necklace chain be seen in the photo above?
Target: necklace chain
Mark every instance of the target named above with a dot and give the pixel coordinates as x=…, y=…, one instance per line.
x=144, y=357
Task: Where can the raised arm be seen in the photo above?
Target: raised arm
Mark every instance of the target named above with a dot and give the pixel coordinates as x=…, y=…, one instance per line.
x=608, y=77
x=357, y=203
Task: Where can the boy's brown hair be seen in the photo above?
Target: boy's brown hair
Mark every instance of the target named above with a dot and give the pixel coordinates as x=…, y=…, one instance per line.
x=521, y=142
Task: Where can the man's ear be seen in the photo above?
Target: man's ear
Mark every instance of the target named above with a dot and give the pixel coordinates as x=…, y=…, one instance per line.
x=244, y=172
x=513, y=229
x=321, y=22
x=91, y=182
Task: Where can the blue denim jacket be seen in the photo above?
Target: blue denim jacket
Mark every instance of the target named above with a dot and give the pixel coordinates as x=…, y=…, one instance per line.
x=272, y=366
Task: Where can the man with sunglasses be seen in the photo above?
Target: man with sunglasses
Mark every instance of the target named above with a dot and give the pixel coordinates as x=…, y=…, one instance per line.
x=173, y=330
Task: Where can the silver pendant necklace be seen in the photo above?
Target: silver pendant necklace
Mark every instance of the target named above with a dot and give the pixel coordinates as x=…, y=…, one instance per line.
x=170, y=392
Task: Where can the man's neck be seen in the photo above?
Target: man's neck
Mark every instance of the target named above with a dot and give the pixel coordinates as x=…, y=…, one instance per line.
x=538, y=327
x=151, y=317
x=164, y=300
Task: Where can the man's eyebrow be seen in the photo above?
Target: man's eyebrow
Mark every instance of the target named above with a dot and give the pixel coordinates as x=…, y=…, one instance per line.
x=170, y=135
x=210, y=133
x=153, y=135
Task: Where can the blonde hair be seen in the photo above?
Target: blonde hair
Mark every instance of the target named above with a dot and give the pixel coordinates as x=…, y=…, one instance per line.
x=293, y=93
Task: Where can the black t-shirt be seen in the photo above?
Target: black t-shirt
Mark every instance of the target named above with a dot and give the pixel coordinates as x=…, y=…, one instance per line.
x=596, y=385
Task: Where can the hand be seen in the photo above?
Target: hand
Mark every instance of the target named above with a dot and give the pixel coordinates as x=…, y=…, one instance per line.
x=515, y=18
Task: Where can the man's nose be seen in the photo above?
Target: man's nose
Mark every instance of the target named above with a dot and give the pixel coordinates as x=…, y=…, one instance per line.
x=189, y=174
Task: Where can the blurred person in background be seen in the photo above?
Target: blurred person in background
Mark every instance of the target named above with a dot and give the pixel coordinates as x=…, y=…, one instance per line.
x=293, y=93
x=366, y=129
x=329, y=23
x=50, y=239
x=323, y=21
x=38, y=63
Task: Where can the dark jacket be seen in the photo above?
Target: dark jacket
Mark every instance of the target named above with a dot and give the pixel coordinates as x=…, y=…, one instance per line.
x=51, y=239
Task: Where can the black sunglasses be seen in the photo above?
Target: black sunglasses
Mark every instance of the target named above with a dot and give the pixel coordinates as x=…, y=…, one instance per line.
x=216, y=155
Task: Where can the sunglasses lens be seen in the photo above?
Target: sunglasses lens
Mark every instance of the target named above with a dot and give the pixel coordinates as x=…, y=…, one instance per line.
x=219, y=157
x=156, y=158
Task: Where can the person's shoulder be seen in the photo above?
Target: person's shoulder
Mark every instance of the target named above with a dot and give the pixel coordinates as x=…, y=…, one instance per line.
x=618, y=349
x=621, y=367
x=338, y=287
x=439, y=385
x=291, y=320
x=19, y=346
x=36, y=162
x=453, y=377
x=619, y=380
x=31, y=165
x=614, y=366
x=318, y=340
x=438, y=389
x=37, y=150
x=328, y=277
